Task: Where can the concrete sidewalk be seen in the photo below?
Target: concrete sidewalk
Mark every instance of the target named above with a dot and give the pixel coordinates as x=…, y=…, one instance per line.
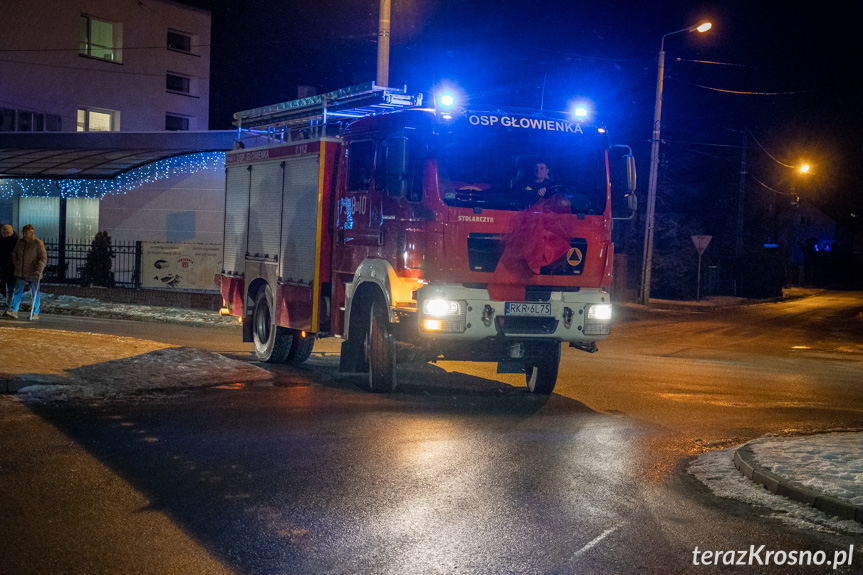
x=824, y=471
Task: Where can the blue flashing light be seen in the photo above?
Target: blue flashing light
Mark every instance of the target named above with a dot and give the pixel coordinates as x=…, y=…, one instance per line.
x=771, y=245
x=447, y=100
x=580, y=112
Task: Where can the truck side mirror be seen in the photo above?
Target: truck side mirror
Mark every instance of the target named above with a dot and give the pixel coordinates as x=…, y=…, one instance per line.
x=622, y=164
x=629, y=167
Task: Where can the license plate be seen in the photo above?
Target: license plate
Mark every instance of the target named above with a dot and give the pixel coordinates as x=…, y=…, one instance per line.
x=517, y=308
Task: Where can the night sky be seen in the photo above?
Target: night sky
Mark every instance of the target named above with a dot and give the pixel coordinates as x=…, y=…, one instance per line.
x=791, y=76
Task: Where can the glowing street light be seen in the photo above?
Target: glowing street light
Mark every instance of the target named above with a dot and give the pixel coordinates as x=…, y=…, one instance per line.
x=804, y=168
x=647, y=260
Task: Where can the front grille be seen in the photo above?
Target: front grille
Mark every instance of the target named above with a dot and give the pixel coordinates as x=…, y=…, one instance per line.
x=484, y=251
x=543, y=293
x=570, y=263
x=525, y=325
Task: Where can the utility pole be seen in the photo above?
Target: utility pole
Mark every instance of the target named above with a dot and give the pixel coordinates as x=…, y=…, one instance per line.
x=741, y=198
x=383, y=77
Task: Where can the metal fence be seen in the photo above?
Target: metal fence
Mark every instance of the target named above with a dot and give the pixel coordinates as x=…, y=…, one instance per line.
x=66, y=263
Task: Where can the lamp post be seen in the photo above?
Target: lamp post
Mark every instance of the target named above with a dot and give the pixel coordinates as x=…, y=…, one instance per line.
x=383, y=75
x=647, y=259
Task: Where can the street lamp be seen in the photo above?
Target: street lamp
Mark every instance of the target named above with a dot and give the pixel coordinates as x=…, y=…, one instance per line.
x=647, y=259
x=383, y=75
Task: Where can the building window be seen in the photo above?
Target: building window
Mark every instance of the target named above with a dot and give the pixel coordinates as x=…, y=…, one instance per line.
x=100, y=39
x=25, y=121
x=94, y=120
x=82, y=220
x=179, y=42
x=175, y=123
x=177, y=83
x=41, y=213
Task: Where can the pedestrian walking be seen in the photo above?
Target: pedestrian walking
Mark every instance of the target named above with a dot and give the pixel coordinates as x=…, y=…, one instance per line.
x=30, y=259
x=8, y=239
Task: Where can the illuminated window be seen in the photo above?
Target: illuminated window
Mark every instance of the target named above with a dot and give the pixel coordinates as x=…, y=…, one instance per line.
x=82, y=217
x=93, y=120
x=100, y=39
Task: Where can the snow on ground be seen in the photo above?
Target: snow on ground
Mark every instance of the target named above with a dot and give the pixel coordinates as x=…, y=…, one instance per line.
x=61, y=365
x=822, y=463
x=71, y=305
x=831, y=463
x=162, y=369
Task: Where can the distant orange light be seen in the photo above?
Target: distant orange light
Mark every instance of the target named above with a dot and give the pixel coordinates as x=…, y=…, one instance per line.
x=303, y=333
x=704, y=27
x=240, y=319
x=804, y=168
x=224, y=311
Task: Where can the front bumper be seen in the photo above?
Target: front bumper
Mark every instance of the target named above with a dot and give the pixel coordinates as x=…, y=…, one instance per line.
x=450, y=313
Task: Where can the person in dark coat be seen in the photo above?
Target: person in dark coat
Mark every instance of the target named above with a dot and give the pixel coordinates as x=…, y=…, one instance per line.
x=8, y=239
x=30, y=260
x=536, y=185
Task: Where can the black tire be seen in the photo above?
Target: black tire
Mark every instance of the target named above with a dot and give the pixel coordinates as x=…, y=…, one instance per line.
x=541, y=373
x=380, y=350
x=301, y=348
x=353, y=354
x=272, y=343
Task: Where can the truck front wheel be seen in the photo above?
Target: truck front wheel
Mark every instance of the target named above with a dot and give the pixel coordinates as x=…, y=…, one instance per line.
x=541, y=372
x=380, y=350
x=272, y=343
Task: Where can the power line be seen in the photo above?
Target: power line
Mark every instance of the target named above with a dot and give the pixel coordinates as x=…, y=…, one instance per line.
x=78, y=49
x=742, y=93
x=768, y=187
x=122, y=72
x=763, y=149
x=728, y=64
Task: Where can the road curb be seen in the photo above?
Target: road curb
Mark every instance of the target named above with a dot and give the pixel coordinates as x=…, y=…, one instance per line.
x=12, y=384
x=745, y=462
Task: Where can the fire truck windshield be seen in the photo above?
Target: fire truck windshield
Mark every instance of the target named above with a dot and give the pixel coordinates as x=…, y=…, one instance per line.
x=500, y=161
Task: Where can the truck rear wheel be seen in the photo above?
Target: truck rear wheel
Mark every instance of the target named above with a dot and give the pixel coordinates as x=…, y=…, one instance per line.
x=272, y=343
x=541, y=372
x=301, y=347
x=380, y=350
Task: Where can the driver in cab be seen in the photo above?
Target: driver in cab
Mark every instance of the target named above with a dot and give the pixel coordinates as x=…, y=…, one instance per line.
x=537, y=186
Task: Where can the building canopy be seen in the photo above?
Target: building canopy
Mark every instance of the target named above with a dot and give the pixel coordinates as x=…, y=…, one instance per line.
x=98, y=155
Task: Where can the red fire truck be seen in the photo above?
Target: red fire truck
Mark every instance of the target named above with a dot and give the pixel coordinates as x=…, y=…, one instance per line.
x=418, y=234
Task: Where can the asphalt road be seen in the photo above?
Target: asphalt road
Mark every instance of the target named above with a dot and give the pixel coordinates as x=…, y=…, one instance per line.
x=461, y=471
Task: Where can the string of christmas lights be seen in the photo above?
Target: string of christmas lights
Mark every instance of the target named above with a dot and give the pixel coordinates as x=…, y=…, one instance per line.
x=125, y=182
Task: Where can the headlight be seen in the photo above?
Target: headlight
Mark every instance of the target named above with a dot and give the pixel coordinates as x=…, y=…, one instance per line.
x=442, y=315
x=599, y=312
x=598, y=321
x=440, y=307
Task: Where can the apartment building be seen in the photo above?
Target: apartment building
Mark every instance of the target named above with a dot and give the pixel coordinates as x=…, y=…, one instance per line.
x=104, y=65
x=104, y=112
